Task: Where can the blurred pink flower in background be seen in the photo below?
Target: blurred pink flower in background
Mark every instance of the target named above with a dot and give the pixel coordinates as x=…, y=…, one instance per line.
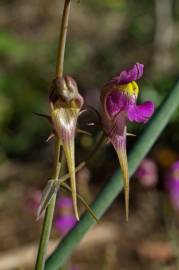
x=33, y=200
x=147, y=173
x=172, y=184
x=64, y=215
x=65, y=219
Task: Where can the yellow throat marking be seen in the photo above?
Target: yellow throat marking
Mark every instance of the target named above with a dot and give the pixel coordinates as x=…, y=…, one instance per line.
x=129, y=88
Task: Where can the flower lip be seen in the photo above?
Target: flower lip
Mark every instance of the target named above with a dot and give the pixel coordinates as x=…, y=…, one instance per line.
x=141, y=113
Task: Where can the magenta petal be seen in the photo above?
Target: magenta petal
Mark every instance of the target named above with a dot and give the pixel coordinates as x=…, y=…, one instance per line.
x=115, y=103
x=141, y=113
x=129, y=75
x=120, y=124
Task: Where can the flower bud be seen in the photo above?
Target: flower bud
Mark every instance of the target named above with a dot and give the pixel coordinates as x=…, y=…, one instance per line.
x=63, y=89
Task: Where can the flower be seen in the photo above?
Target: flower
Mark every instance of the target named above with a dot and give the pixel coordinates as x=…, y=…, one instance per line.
x=172, y=184
x=147, y=173
x=66, y=103
x=65, y=219
x=118, y=98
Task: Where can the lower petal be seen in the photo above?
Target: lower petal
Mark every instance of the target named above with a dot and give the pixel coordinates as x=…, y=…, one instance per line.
x=141, y=113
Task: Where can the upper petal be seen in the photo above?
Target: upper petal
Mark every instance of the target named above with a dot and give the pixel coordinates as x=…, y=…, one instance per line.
x=141, y=113
x=129, y=75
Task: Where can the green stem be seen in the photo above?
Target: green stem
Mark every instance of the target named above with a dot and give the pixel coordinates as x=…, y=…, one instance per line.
x=47, y=224
x=62, y=39
x=114, y=185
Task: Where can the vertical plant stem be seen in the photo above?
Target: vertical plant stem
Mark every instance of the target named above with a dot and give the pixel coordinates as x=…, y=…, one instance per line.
x=47, y=224
x=62, y=39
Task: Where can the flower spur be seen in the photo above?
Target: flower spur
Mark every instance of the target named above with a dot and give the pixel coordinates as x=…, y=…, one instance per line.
x=118, y=98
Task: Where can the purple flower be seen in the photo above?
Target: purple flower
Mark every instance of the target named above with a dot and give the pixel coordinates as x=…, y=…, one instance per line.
x=65, y=219
x=147, y=173
x=172, y=184
x=119, y=97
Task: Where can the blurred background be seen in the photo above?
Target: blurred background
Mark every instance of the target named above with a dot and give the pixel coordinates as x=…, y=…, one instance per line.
x=104, y=38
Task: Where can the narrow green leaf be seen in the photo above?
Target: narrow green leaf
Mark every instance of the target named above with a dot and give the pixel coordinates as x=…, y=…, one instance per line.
x=51, y=188
x=114, y=185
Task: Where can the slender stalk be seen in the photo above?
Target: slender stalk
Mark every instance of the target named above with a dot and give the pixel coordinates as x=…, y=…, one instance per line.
x=62, y=39
x=47, y=224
